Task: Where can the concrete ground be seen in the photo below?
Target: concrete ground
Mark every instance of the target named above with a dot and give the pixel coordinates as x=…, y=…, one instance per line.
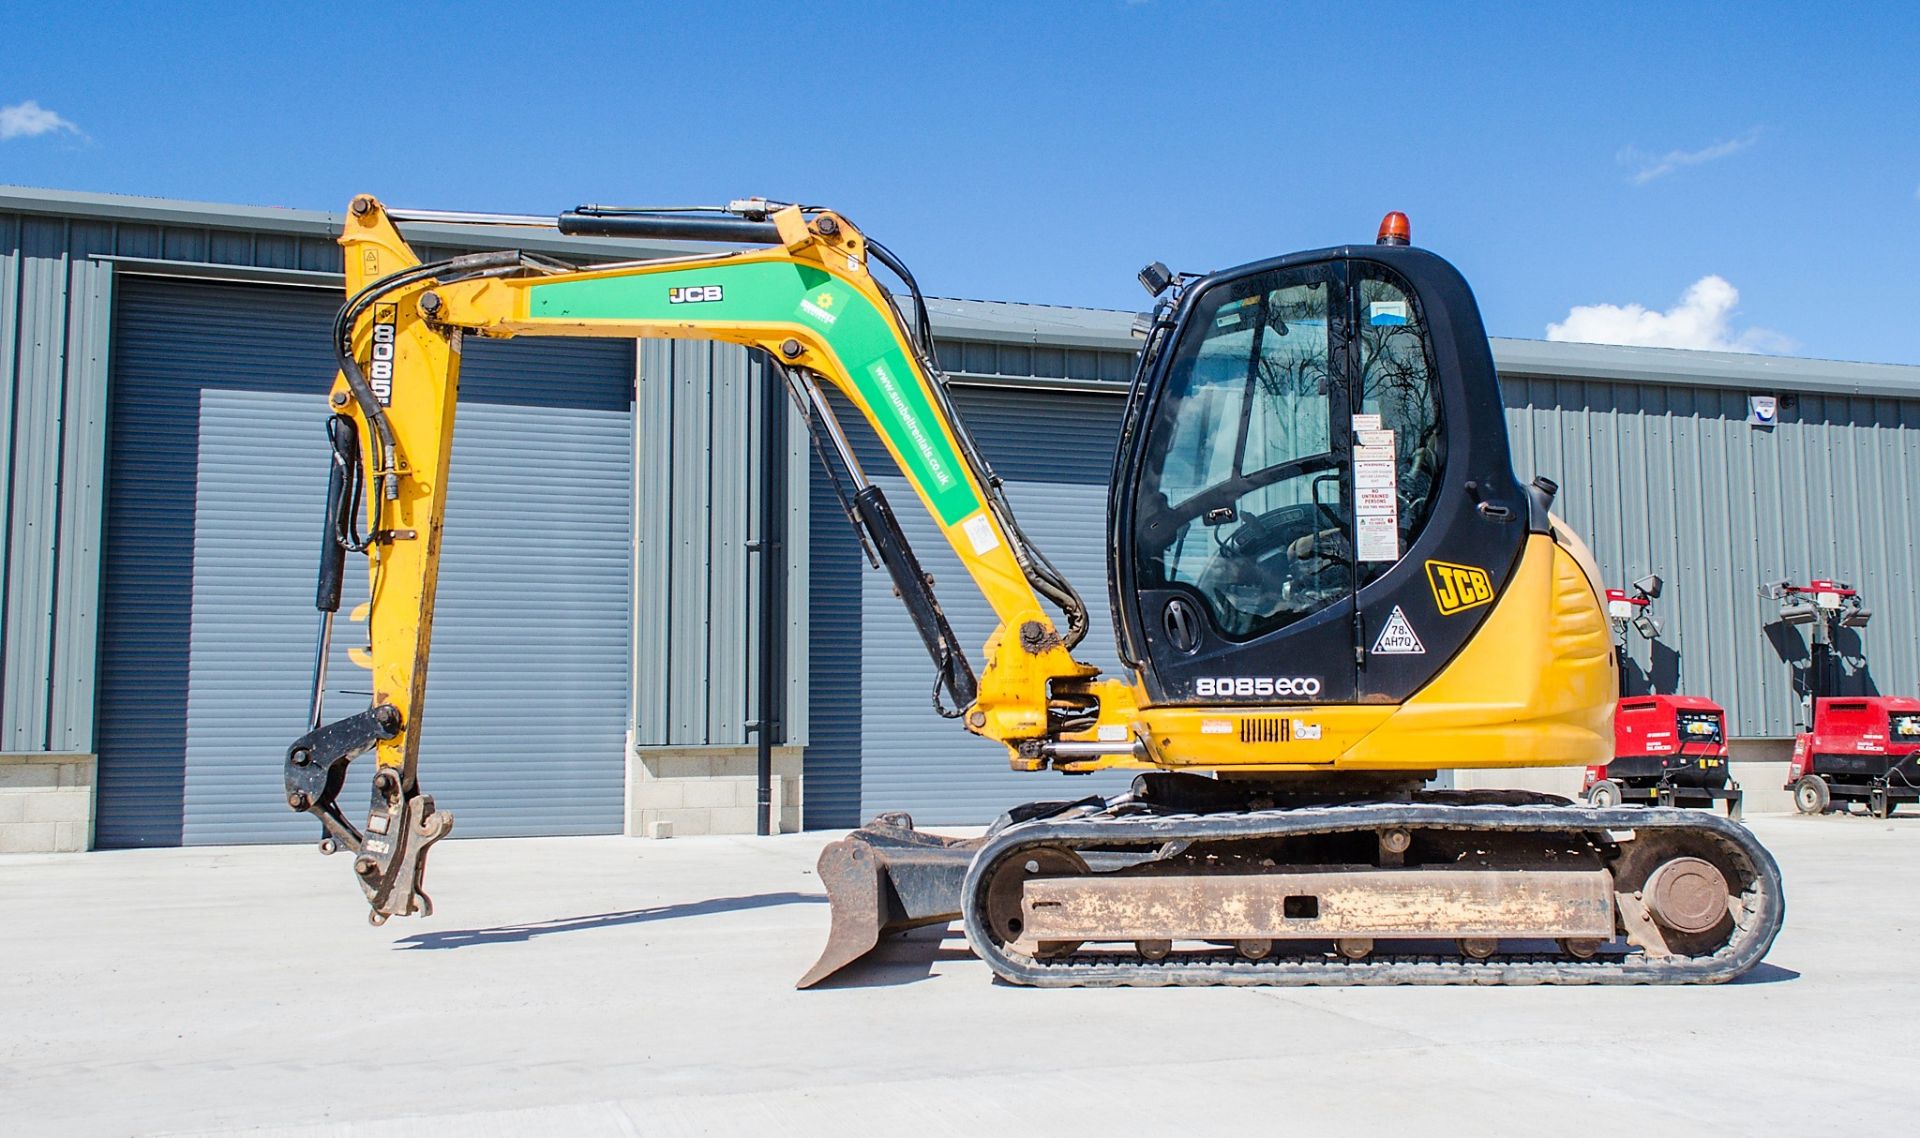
x=612, y=986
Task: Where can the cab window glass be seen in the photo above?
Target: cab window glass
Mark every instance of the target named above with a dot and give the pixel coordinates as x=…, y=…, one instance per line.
x=1241, y=495
x=1395, y=382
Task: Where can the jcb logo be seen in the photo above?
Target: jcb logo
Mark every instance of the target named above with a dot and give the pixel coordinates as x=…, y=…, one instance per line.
x=1457, y=588
x=695, y=294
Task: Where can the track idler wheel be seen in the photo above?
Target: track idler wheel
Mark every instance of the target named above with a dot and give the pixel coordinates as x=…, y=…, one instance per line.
x=1008, y=887
x=1687, y=895
x=1677, y=896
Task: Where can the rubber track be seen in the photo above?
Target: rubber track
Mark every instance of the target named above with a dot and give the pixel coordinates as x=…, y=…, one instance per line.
x=1764, y=901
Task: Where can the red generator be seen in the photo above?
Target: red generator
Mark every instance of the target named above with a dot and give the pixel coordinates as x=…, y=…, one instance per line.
x=1668, y=750
x=1862, y=748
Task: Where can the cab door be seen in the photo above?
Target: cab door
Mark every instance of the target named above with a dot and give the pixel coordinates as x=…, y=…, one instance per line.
x=1234, y=550
x=1440, y=517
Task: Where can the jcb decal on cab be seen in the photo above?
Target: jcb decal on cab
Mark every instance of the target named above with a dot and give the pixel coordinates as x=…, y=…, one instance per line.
x=1457, y=588
x=696, y=294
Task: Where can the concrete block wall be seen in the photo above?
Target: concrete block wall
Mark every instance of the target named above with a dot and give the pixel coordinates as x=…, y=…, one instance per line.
x=46, y=803
x=706, y=790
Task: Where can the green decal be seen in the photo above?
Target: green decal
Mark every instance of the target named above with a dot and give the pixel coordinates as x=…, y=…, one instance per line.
x=761, y=292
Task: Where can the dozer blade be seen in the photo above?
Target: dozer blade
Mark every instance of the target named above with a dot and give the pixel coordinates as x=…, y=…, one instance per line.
x=886, y=877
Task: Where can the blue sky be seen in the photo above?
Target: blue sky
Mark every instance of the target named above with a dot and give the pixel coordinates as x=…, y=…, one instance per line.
x=1749, y=175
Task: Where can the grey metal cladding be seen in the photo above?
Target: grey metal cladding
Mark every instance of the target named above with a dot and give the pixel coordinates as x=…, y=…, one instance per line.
x=56, y=282
x=695, y=509
x=218, y=469
x=1672, y=480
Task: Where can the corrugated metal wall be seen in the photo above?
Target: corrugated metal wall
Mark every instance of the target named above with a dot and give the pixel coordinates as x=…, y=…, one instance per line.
x=55, y=312
x=1672, y=480
x=1665, y=478
x=1034, y=361
x=697, y=505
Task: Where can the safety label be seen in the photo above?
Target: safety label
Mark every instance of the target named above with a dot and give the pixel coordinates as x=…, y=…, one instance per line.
x=1376, y=490
x=980, y=534
x=1397, y=637
x=1370, y=468
x=1377, y=538
x=1374, y=500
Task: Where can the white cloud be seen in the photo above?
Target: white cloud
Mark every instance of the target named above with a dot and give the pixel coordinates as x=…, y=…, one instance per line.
x=1651, y=166
x=1702, y=320
x=30, y=120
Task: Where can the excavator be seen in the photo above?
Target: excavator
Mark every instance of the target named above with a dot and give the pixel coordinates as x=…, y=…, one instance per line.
x=1328, y=585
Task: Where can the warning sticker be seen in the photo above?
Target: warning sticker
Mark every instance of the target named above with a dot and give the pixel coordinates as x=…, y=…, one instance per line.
x=980, y=534
x=1377, y=538
x=1366, y=422
x=1373, y=500
x=1397, y=637
x=1373, y=472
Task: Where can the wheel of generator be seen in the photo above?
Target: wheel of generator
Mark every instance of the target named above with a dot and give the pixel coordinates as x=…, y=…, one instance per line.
x=1811, y=796
x=1354, y=947
x=1479, y=947
x=1256, y=948
x=1604, y=795
x=1010, y=883
x=1154, y=949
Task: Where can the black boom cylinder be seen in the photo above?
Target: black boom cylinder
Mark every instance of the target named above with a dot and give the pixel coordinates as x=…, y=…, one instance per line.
x=341, y=475
x=670, y=227
x=916, y=590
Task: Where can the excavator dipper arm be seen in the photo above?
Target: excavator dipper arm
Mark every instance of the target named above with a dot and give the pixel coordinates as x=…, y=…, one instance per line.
x=805, y=297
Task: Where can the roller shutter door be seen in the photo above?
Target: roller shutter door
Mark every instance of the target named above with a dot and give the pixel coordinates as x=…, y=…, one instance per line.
x=876, y=743
x=216, y=475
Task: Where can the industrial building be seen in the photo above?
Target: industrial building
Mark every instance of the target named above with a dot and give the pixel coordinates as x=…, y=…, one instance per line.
x=595, y=669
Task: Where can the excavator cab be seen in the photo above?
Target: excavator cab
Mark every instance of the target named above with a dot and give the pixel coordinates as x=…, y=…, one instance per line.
x=1313, y=491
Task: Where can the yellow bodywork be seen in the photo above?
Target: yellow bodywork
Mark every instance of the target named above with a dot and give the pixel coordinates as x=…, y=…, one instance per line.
x=1534, y=687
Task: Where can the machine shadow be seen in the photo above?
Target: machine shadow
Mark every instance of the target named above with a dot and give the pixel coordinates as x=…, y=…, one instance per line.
x=1765, y=973
x=511, y=934
x=904, y=959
